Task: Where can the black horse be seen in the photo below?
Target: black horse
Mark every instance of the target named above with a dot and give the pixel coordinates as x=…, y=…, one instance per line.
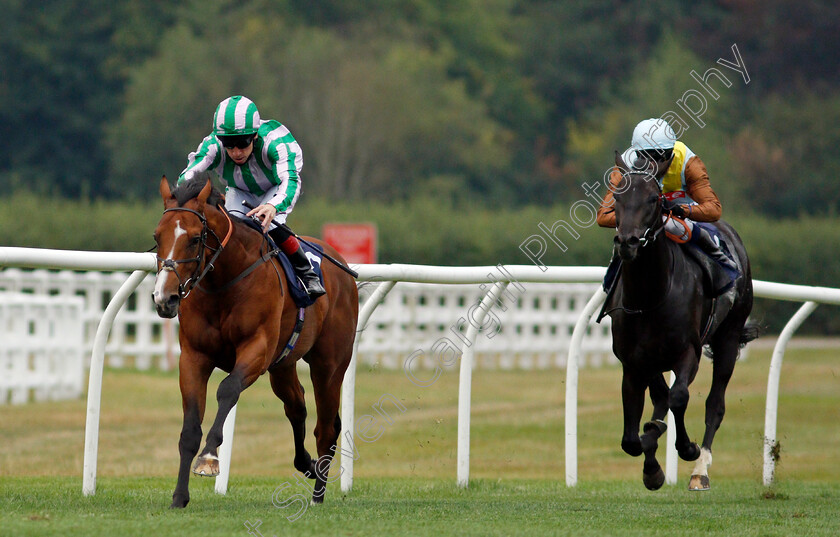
x=663, y=314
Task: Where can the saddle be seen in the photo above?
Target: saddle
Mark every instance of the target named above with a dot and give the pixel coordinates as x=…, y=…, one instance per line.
x=296, y=288
x=717, y=279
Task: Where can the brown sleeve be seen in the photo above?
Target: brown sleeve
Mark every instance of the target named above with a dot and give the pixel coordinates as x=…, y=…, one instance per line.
x=606, y=212
x=708, y=208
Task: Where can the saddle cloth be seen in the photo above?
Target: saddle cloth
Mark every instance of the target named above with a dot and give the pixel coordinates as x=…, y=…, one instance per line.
x=717, y=278
x=313, y=253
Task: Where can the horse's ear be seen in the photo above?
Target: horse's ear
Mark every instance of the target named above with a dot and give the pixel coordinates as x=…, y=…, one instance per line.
x=620, y=163
x=662, y=167
x=165, y=191
x=205, y=193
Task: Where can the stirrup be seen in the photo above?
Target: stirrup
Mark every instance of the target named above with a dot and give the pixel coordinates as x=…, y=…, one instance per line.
x=312, y=286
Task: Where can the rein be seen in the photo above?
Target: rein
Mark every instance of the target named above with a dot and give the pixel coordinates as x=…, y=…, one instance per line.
x=260, y=260
x=656, y=306
x=648, y=237
x=186, y=287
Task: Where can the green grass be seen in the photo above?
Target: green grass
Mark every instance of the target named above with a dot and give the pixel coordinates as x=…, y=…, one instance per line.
x=421, y=507
x=405, y=481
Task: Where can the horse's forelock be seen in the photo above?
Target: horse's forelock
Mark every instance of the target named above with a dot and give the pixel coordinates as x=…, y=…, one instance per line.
x=190, y=189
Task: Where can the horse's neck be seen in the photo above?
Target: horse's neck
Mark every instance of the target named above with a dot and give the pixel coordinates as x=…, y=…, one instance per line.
x=241, y=250
x=646, y=279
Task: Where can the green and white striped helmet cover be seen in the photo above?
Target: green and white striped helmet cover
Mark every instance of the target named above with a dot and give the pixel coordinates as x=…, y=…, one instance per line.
x=236, y=115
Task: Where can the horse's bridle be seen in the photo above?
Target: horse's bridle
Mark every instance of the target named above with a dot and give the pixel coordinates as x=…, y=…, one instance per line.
x=186, y=286
x=658, y=224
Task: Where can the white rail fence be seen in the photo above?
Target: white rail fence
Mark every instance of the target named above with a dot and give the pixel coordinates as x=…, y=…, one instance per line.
x=41, y=355
x=389, y=275
x=534, y=332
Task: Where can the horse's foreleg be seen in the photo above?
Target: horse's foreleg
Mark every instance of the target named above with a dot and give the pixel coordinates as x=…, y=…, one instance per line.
x=207, y=464
x=724, y=364
x=633, y=402
x=287, y=387
x=678, y=400
x=193, y=381
x=652, y=473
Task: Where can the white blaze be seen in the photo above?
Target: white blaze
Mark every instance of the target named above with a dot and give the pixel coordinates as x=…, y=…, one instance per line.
x=163, y=275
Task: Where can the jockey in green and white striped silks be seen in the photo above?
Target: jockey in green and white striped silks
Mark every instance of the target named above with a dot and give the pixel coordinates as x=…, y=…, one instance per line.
x=271, y=174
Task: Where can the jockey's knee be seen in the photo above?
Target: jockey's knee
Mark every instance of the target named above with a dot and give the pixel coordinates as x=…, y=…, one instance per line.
x=681, y=229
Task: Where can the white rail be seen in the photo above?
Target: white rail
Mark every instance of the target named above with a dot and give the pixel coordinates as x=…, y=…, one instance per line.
x=142, y=263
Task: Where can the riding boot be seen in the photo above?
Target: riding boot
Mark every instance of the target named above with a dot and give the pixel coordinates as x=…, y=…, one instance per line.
x=303, y=268
x=290, y=246
x=704, y=240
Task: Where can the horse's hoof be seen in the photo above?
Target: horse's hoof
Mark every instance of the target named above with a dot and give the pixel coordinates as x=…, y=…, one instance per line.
x=306, y=466
x=655, y=479
x=657, y=427
x=179, y=502
x=633, y=448
x=206, y=466
x=691, y=453
x=699, y=482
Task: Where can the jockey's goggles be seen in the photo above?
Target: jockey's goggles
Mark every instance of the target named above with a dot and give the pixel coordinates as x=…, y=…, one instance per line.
x=240, y=141
x=659, y=155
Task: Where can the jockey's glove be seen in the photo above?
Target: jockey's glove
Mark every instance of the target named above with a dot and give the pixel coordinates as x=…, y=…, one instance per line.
x=679, y=211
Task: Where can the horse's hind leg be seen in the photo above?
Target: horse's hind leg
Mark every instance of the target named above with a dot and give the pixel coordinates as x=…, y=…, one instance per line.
x=327, y=374
x=652, y=473
x=286, y=386
x=725, y=352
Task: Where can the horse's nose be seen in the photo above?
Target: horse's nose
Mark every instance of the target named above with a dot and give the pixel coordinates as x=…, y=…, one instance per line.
x=628, y=247
x=632, y=242
x=167, y=307
x=628, y=242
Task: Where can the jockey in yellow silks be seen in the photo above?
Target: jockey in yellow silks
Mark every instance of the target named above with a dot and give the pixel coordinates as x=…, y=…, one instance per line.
x=685, y=185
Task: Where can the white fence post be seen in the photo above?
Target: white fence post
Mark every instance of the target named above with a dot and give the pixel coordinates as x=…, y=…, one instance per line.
x=465, y=384
x=771, y=407
x=572, y=383
x=97, y=361
x=226, y=452
x=348, y=387
x=671, y=456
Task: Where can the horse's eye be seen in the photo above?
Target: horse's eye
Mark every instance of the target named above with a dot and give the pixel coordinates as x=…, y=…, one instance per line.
x=653, y=199
x=194, y=241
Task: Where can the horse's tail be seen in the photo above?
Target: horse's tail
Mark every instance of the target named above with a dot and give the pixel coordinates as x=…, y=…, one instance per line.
x=752, y=330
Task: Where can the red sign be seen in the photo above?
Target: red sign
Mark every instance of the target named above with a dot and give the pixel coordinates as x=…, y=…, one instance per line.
x=356, y=242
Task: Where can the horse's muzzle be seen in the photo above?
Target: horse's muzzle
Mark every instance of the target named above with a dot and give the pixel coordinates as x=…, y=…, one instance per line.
x=167, y=308
x=628, y=248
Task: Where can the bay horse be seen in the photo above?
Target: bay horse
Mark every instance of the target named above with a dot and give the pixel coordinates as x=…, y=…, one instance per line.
x=662, y=316
x=236, y=314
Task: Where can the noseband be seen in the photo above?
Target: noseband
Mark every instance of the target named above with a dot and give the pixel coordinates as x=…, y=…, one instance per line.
x=171, y=265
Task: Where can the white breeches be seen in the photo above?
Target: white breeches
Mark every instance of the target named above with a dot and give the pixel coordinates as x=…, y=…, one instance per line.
x=235, y=196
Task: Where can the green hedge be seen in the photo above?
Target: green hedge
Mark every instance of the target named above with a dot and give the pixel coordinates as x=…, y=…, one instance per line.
x=429, y=231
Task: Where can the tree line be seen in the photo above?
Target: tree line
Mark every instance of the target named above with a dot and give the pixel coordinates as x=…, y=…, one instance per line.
x=497, y=102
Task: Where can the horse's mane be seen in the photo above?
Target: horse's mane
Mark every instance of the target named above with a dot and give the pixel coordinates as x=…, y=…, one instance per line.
x=188, y=190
